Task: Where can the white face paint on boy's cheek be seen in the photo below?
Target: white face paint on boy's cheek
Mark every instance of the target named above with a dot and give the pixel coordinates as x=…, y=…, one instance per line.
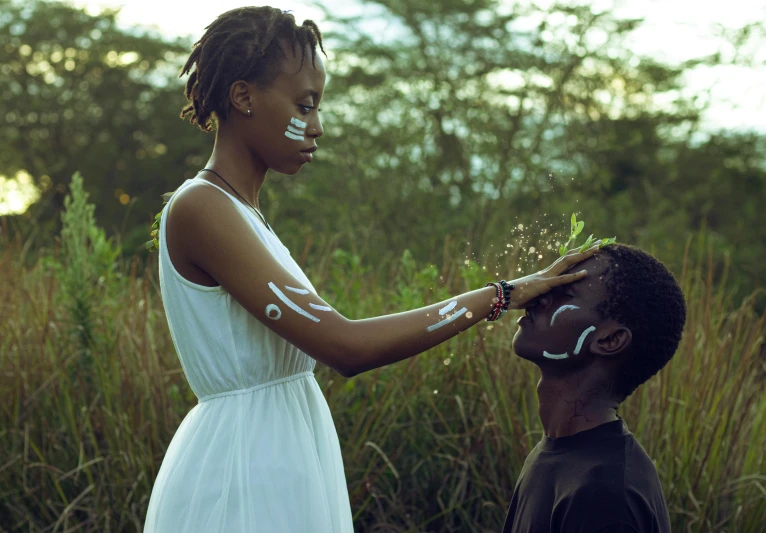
x=577, y=349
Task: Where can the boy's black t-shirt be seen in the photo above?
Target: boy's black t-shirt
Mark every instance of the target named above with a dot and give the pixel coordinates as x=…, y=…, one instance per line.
x=596, y=481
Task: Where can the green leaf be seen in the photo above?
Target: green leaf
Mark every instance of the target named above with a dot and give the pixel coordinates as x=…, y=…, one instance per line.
x=562, y=250
x=587, y=243
x=579, y=227
x=158, y=216
x=149, y=244
x=573, y=224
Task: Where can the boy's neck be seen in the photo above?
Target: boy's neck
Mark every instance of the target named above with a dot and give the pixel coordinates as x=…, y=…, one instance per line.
x=575, y=402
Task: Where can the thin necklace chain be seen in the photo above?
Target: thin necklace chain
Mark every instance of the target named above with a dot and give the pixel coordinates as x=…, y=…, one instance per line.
x=235, y=192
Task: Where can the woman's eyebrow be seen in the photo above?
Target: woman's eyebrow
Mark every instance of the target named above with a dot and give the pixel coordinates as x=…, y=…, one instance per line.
x=309, y=92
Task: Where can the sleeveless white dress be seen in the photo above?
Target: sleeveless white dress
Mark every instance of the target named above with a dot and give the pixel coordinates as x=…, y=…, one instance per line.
x=259, y=453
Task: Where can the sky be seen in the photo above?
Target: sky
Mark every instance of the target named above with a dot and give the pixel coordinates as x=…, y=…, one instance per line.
x=673, y=31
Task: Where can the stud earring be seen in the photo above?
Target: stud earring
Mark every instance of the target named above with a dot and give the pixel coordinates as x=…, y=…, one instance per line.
x=248, y=113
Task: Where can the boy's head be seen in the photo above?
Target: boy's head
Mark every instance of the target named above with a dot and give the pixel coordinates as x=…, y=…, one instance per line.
x=258, y=73
x=627, y=314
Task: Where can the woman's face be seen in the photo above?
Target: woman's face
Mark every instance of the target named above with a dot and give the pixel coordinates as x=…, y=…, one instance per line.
x=285, y=120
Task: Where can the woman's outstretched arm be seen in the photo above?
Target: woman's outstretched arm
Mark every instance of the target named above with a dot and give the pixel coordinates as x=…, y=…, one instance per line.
x=219, y=240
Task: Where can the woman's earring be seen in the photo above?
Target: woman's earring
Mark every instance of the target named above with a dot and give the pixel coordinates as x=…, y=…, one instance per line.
x=248, y=113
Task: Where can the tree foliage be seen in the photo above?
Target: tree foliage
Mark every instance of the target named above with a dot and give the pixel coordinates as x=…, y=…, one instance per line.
x=464, y=118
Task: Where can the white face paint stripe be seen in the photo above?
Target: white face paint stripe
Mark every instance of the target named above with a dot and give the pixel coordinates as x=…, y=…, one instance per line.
x=320, y=307
x=273, y=307
x=447, y=308
x=294, y=137
x=582, y=338
x=448, y=320
x=290, y=303
x=295, y=130
x=295, y=122
x=560, y=309
x=299, y=291
x=555, y=356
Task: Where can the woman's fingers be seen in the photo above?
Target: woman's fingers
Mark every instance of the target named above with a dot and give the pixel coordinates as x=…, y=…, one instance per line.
x=567, y=278
x=573, y=257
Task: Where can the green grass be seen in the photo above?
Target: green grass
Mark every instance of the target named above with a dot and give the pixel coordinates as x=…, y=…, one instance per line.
x=93, y=392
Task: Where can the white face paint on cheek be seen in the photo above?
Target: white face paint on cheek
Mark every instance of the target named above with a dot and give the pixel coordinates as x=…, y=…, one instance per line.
x=560, y=309
x=582, y=339
x=577, y=349
x=296, y=130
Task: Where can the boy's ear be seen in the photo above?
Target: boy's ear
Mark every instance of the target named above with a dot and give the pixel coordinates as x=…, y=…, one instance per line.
x=611, y=339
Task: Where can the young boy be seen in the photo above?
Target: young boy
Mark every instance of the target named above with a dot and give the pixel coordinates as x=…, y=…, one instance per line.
x=595, y=342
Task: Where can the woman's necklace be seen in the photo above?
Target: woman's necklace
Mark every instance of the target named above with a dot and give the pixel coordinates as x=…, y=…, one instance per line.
x=235, y=192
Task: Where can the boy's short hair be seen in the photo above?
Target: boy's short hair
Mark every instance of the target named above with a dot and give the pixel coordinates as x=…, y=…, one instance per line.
x=644, y=296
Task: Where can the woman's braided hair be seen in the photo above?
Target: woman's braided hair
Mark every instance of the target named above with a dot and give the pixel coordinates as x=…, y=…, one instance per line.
x=241, y=44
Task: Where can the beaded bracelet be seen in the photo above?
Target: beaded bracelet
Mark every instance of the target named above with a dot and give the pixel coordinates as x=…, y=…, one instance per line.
x=503, y=296
x=497, y=306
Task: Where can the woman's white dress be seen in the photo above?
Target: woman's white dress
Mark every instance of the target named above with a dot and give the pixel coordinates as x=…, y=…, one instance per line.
x=259, y=452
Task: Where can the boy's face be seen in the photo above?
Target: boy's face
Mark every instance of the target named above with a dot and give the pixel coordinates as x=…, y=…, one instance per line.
x=560, y=326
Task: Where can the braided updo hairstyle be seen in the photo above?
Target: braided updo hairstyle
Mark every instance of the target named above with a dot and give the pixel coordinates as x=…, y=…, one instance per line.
x=241, y=44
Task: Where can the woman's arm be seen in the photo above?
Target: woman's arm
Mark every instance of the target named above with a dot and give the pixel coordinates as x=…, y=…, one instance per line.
x=220, y=241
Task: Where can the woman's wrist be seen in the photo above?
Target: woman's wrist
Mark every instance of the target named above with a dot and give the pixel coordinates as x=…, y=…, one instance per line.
x=502, y=301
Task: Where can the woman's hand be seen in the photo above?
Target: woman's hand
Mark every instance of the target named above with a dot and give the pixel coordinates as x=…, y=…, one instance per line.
x=532, y=286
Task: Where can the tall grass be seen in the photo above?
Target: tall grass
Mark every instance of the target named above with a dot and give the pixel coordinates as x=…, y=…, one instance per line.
x=94, y=392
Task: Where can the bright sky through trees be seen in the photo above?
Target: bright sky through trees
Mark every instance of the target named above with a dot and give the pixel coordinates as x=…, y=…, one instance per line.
x=673, y=31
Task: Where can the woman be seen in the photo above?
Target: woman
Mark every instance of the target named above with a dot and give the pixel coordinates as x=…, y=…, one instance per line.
x=259, y=453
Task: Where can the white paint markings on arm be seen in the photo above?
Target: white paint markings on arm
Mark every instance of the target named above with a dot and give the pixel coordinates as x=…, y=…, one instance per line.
x=446, y=321
x=293, y=289
x=273, y=308
x=447, y=308
x=320, y=307
x=292, y=305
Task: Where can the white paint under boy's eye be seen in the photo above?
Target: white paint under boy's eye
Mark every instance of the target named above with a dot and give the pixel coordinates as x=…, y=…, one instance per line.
x=294, y=136
x=560, y=309
x=582, y=339
x=273, y=308
x=296, y=122
x=295, y=131
x=555, y=356
x=299, y=291
x=320, y=307
x=287, y=301
x=447, y=308
x=446, y=321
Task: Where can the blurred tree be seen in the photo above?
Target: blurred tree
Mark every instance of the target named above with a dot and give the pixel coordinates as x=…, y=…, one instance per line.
x=79, y=93
x=469, y=118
